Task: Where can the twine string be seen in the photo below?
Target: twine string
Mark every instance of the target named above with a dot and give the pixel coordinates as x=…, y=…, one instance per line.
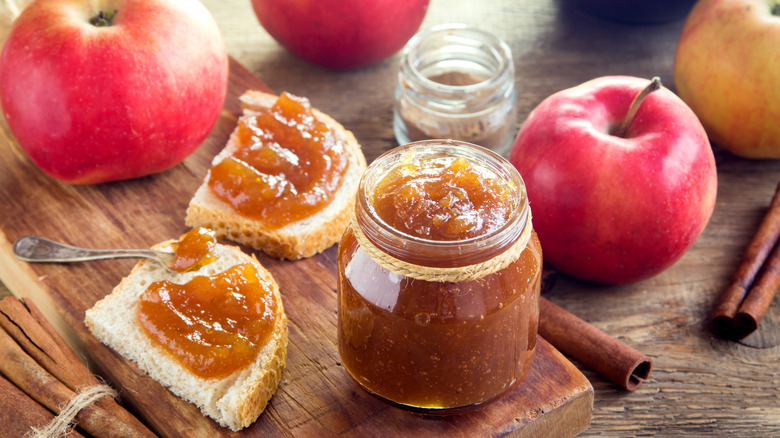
x=452, y=274
x=60, y=425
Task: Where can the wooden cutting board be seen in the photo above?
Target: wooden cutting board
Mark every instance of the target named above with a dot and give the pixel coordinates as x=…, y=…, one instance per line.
x=316, y=396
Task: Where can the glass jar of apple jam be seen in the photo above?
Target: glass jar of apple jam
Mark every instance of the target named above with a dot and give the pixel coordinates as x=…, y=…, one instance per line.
x=439, y=276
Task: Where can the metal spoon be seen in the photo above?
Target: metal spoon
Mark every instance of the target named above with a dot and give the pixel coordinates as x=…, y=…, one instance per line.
x=41, y=250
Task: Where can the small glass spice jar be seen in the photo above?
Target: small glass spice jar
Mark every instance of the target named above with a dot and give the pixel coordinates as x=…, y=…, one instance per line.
x=456, y=82
x=439, y=276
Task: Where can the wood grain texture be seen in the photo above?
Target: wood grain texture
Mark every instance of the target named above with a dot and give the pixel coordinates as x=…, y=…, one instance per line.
x=316, y=396
x=701, y=385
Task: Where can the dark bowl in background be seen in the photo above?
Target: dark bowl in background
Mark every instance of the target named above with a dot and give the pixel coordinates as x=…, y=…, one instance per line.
x=636, y=11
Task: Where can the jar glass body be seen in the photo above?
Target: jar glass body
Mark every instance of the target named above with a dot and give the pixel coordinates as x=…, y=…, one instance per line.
x=432, y=346
x=456, y=82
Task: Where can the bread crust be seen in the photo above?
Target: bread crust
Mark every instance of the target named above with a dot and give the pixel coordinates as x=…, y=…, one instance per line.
x=233, y=401
x=300, y=239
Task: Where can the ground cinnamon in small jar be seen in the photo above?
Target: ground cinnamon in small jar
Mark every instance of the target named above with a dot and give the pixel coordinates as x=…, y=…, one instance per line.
x=456, y=78
x=439, y=277
x=456, y=82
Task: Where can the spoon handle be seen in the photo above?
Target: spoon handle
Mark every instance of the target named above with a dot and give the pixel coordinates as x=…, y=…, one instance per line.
x=40, y=249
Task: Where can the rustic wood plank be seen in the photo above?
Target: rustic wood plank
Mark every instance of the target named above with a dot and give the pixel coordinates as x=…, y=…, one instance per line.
x=316, y=396
x=701, y=385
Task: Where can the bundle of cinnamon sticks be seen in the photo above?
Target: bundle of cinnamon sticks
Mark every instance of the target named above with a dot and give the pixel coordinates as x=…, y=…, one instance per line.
x=754, y=284
x=40, y=374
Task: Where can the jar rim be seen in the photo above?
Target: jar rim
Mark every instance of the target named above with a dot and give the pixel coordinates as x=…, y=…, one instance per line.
x=435, y=252
x=498, y=48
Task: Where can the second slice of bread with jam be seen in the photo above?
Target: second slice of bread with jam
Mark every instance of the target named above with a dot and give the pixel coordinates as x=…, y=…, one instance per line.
x=234, y=400
x=302, y=238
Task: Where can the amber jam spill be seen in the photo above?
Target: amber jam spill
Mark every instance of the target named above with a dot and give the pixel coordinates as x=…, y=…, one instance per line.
x=439, y=347
x=212, y=325
x=194, y=250
x=288, y=167
x=442, y=199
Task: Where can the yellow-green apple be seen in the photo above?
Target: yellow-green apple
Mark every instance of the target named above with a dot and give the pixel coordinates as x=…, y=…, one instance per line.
x=98, y=91
x=727, y=69
x=341, y=34
x=620, y=175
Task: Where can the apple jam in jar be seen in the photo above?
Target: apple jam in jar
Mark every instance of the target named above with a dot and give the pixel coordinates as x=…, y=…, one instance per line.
x=439, y=276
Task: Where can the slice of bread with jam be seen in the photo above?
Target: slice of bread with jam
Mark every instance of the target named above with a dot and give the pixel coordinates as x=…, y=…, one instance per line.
x=234, y=400
x=302, y=238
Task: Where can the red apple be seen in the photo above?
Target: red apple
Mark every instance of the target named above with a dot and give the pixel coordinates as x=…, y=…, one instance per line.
x=101, y=94
x=609, y=206
x=727, y=69
x=341, y=34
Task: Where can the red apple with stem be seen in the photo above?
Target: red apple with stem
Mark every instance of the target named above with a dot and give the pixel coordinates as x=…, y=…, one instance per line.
x=111, y=90
x=621, y=181
x=341, y=34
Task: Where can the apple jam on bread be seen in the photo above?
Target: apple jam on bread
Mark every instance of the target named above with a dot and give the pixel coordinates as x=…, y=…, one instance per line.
x=193, y=250
x=285, y=182
x=215, y=334
x=212, y=324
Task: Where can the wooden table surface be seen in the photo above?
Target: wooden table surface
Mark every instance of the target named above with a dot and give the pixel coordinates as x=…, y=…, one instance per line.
x=700, y=385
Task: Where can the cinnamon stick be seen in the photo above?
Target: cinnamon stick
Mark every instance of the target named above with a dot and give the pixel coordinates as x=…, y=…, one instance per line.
x=592, y=347
x=758, y=299
x=40, y=385
x=724, y=318
x=18, y=412
x=26, y=325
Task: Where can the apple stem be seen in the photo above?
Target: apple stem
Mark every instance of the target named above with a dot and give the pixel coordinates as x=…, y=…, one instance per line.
x=103, y=18
x=622, y=129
